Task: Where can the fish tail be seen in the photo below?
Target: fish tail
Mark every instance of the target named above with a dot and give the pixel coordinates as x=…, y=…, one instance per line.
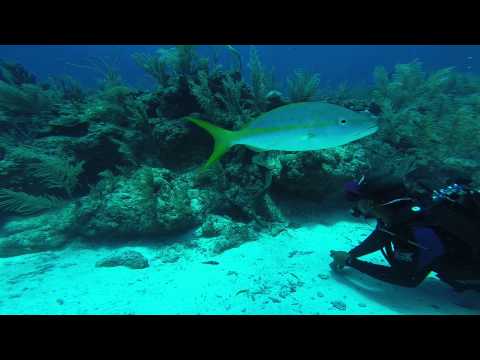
x=223, y=140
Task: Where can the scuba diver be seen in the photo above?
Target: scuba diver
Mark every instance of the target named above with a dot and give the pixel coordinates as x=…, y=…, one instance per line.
x=416, y=236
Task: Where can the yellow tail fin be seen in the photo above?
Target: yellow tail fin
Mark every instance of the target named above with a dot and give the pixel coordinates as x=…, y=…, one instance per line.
x=223, y=140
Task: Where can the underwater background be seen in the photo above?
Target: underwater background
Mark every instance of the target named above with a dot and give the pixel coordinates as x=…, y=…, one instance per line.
x=103, y=209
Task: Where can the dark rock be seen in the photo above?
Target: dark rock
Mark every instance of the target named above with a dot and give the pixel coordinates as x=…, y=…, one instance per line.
x=339, y=304
x=299, y=253
x=178, y=101
x=211, y=263
x=214, y=225
x=323, y=276
x=176, y=142
x=129, y=258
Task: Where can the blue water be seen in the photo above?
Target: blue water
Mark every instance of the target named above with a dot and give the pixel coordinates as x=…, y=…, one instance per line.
x=336, y=64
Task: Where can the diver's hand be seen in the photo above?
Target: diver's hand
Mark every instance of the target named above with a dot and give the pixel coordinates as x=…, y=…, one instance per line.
x=339, y=259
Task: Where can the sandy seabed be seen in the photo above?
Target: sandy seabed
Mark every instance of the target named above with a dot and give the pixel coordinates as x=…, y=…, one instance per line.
x=288, y=274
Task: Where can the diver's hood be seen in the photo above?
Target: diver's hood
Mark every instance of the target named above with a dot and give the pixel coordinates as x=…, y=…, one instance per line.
x=382, y=189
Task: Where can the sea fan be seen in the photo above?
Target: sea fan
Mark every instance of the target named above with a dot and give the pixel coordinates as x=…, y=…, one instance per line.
x=303, y=86
x=26, y=204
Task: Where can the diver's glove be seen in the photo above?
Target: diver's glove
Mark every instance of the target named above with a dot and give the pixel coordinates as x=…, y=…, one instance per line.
x=340, y=259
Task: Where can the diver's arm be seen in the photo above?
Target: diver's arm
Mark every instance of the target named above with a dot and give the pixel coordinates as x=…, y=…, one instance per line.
x=388, y=274
x=429, y=248
x=374, y=242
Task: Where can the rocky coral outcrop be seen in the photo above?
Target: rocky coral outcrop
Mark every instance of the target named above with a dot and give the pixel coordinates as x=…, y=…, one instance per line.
x=220, y=233
x=150, y=201
x=44, y=232
x=315, y=175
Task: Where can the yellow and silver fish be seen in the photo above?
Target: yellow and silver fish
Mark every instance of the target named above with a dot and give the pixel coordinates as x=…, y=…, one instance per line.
x=295, y=127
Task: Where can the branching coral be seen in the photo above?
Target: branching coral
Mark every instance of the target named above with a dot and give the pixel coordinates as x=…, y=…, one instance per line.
x=57, y=172
x=24, y=204
x=435, y=114
x=117, y=105
x=236, y=54
x=106, y=68
x=204, y=95
x=167, y=66
x=67, y=88
x=15, y=74
x=154, y=65
x=54, y=171
x=303, y=86
x=259, y=81
x=236, y=107
x=27, y=99
x=186, y=62
x=234, y=111
x=232, y=99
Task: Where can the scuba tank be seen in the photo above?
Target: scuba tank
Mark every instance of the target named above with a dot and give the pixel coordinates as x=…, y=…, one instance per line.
x=453, y=211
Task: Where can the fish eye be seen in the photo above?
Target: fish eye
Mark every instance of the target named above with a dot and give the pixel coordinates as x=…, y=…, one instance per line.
x=342, y=122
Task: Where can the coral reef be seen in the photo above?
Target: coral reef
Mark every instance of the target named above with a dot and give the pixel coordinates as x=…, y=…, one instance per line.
x=314, y=175
x=118, y=163
x=429, y=117
x=15, y=74
x=147, y=202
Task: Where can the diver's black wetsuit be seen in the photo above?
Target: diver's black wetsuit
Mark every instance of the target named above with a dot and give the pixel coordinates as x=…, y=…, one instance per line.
x=412, y=260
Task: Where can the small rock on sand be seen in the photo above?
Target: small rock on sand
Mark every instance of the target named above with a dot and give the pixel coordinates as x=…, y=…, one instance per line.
x=339, y=304
x=323, y=276
x=129, y=258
